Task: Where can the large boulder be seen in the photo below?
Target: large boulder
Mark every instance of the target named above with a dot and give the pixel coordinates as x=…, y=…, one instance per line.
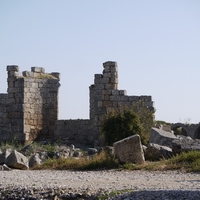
x=164, y=138
x=156, y=152
x=129, y=150
x=17, y=160
x=4, y=155
x=35, y=160
x=185, y=144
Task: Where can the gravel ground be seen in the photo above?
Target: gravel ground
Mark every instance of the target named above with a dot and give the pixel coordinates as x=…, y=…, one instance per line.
x=49, y=184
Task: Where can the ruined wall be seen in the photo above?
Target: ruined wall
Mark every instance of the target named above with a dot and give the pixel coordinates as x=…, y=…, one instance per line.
x=30, y=109
x=15, y=100
x=31, y=104
x=75, y=131
x=40, y=103
x=105, y=96
x=191, y=130
x=4, y=122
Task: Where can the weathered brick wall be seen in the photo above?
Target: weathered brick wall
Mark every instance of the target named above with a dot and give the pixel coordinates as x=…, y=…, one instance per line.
x=31, y=104
x=75, y=131
x=15, y=98
x=30, y=109
x=105, y=96
x=4, y=121
x=40, y=103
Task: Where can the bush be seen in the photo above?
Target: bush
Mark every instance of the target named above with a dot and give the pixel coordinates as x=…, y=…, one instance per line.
x=186, y=160
x=125, y=122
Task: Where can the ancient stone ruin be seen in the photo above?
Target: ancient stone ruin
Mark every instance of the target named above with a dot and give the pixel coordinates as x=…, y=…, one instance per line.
x=29, y=111
x=191, y=130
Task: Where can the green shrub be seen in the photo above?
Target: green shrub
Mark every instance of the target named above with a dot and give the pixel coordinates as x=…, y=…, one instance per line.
x=125, y=122
x=190, y=161
x=10, y=145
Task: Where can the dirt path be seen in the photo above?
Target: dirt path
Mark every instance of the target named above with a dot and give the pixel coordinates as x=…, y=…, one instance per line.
x=95, y=180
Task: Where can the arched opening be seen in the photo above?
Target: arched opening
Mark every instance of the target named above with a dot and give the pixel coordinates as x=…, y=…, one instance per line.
x=179, y=130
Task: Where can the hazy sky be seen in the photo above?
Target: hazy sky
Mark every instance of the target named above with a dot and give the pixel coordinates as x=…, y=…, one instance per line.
x=156, y=44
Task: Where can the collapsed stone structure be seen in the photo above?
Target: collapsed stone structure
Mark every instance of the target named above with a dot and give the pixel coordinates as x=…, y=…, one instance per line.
x=29, y=110
x=191, y=130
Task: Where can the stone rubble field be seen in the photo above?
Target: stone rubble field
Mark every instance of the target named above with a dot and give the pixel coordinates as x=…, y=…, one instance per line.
x=54, y=184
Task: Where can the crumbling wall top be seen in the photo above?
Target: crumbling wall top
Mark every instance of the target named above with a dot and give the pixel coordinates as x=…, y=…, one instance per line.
x=110, y=66
x=13, y=68
x=39, y=73
x=36, y=72
x=38, y=69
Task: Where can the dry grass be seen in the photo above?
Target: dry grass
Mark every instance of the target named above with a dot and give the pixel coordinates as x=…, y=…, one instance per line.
x=189, y=161
x=45, y=76
x=186, y=161
x=100, y=161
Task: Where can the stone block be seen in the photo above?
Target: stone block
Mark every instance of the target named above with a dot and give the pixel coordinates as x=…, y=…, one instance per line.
x=109, y=63
x=122, y=92
x=185, y=144
x=110, y=86
x=99, y=104
x=33, y=90
x=106, y=97
x=12, y=68
x=104, y=80
x=17, y=160
x=155, y=152
x=106, y=92
x=100, y=87
x=114, y=80
x=129, y=150
x=146, y=98
x=134, y=98
x=107, y=75
x=158, y=136
x=38, y=69
x=28, y=74
x=115, y=92
x=12, y=73
x=107, y=103
x=114, y=98
x=124, y=98
x=56, y=75
x=98, y=76
x=34, y=85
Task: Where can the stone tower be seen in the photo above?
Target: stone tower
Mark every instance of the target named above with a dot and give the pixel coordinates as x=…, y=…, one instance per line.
x=31, y=104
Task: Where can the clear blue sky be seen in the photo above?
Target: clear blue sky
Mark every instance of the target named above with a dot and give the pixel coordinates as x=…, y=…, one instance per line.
x=155, y=43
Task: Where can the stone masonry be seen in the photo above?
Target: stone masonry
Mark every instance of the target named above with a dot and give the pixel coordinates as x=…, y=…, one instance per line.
x=29, y=110
x=191, y=130
x=104, y=96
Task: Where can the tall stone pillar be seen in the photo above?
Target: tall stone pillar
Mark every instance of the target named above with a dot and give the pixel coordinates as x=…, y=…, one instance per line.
x=15, y=109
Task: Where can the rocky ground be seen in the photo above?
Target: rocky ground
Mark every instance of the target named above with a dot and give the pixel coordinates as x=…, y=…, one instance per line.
x=49, y=184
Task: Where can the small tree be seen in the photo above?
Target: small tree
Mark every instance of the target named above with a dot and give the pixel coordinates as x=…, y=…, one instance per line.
x=125, y=122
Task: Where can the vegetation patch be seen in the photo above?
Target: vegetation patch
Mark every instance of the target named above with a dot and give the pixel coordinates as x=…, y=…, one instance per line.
x=189, y=161
x=99, y=161
x=186, y=161
x=45, y=76
x=124, y=122
x=112, y=194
